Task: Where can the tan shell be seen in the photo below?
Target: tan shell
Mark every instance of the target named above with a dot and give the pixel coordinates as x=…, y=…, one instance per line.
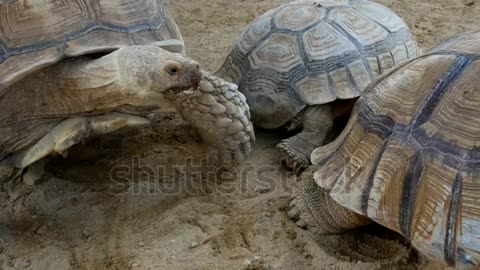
x=314, y=52
x=35, y=34
x=409, y=158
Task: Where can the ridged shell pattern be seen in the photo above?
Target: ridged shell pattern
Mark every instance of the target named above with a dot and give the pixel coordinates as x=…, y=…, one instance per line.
x=35, y=34
x=314, y=52
x=410, y=156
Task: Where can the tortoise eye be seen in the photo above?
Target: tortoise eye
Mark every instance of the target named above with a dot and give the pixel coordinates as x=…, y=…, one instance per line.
x=173, y=70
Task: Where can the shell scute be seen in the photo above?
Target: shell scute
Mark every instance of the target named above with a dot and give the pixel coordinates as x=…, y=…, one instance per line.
x=358, y=27
x=254, y=33
x=316, y=89
x=31, y=23
x=324, y=41
x=279, y=52
x=298, y=17
x=381, y=15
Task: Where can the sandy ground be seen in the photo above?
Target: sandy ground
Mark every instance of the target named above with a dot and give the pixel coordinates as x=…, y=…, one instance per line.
x=105, y=208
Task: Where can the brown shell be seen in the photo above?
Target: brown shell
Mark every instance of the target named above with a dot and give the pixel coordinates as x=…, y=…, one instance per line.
x=410, y=156
x=35, y=34
x=314, y=52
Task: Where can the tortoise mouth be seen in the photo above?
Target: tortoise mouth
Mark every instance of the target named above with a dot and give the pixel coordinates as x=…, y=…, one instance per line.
x=180, y=95
x=144, y=112
x=181, y=90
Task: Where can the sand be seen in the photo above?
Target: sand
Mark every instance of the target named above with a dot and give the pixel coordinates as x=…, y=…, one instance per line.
x=100, y=208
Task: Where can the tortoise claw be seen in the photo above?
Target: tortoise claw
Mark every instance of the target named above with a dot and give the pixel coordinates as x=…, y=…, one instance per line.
x=302, y=224
x=294, y=212
x=300, y=167
x=293, y=161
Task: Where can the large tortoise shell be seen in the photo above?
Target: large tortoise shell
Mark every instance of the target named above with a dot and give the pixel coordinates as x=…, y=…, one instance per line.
x=410, y=156
x=314, y=52
x=35, y=34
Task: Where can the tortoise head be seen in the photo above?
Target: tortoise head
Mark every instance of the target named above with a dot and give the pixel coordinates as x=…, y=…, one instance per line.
x=150, y=70
x=174, y=76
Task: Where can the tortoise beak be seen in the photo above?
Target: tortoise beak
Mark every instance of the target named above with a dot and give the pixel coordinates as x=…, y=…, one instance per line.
x=195, y=75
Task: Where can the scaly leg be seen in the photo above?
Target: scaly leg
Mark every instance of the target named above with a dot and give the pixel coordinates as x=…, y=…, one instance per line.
x=313, y=209
x=221, y=116
x=66, y=134
x=317, y=122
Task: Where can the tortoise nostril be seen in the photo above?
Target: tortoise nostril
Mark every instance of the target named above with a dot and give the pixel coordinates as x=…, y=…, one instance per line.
x=195, y=65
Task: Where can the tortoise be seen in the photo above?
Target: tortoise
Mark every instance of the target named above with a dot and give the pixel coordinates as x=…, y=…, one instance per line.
x=71, y=70
x=301, y=63
x=409, y=158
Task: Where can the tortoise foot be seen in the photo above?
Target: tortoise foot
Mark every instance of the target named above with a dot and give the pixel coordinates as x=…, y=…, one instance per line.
x=228, y=156
x=34, y=173
x=313, y=209
x=295, y=159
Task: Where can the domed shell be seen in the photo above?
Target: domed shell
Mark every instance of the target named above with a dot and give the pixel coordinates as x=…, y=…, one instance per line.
x=409, y=158
x=35, y=34
x=314, y=52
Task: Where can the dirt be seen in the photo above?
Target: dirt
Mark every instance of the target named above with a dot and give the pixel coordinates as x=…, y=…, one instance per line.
x=152, y=199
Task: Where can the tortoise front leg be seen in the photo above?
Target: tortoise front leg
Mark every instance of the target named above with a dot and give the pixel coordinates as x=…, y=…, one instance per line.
x=221, y=117
x=317, y=123
x=66, y=134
